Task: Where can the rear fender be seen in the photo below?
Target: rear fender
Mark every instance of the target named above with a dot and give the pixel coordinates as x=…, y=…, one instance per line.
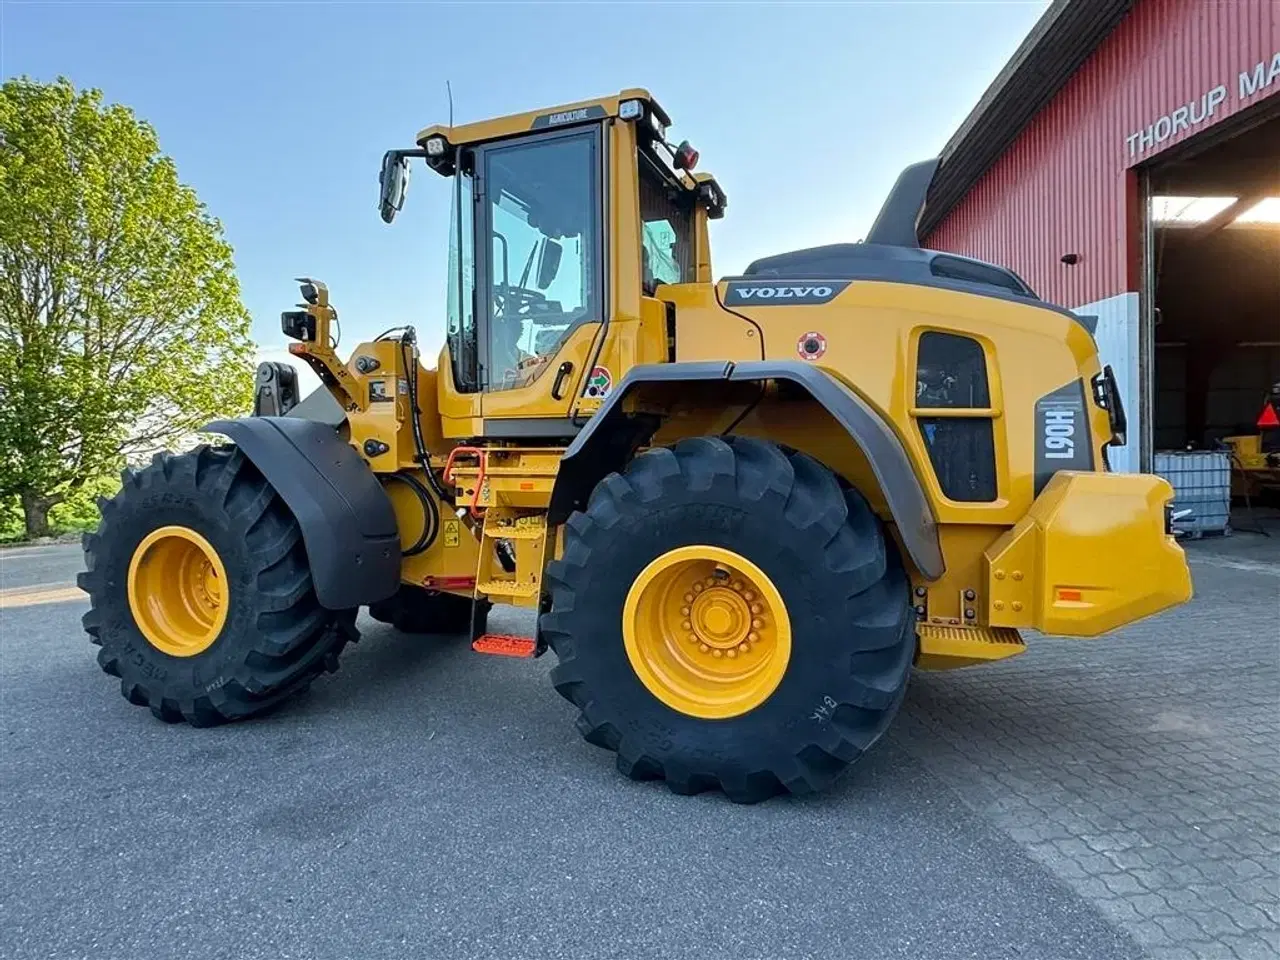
x=612, y=435
x=348, y=523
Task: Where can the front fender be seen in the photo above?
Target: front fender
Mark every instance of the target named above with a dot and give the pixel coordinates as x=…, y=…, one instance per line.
x=348, y=523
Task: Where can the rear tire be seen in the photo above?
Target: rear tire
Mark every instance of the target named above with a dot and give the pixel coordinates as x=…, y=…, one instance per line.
x=414, y=609
x=276, y=637
x=841, y=582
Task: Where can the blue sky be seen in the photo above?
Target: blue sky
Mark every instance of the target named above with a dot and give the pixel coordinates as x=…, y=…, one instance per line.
x=278, y=113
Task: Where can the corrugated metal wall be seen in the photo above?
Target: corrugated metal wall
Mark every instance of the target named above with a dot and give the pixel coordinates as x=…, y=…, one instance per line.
x=1066, y=186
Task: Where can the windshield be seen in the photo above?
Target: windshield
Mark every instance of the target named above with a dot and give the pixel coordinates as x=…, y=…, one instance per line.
x=544, y=262
x=666, y=213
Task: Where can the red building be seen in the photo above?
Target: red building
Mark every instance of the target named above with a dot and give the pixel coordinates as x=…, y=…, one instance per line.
x=1126, y=163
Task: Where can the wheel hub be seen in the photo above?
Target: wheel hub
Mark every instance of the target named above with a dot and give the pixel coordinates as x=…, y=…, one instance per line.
x=178, y=592
x=707, y=632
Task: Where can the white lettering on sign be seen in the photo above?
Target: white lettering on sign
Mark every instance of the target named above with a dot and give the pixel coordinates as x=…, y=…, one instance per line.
x=1059, y=434
x=782, y=293
x=1175, y=121
x=1249, y=83
x=568, y=116
x=1260, y=77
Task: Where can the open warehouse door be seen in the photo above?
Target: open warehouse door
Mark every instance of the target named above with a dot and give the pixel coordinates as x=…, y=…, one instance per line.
x=1212, y=307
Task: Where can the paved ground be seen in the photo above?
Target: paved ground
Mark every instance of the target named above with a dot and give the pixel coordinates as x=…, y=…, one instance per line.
x=1089, y=800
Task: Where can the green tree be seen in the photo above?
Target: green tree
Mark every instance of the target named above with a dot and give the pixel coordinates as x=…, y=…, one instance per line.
x=121, y=325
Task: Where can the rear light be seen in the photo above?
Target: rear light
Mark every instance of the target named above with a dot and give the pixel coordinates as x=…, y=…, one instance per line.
x=686, y=158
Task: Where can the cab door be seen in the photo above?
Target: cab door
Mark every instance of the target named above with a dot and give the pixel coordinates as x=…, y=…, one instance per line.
x=540, y=254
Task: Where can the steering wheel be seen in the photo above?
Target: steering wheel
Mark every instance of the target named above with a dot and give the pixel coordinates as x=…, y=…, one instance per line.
x=511, y=299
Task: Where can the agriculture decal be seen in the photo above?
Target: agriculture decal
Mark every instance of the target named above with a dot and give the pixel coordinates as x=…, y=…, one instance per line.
x=599, y=383
x=811, y=346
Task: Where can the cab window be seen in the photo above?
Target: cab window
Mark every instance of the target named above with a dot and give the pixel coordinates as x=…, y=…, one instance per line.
x=666, y=215
x=543, y=277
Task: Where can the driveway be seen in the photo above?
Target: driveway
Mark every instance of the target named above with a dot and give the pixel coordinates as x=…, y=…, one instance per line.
x=1090, y=799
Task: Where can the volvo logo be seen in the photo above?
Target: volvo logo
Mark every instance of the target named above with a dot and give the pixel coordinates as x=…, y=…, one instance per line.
x=742, y=292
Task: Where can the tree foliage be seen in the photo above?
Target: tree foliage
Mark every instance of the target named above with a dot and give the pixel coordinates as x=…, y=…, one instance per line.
x=121, y=325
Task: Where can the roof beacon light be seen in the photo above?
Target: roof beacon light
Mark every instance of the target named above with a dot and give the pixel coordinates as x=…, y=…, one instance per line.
x=630, y=110
x=435, y=147
x=686, y=158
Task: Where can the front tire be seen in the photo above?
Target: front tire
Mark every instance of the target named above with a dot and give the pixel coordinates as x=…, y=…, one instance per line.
x=200, y=592
x=845, y=634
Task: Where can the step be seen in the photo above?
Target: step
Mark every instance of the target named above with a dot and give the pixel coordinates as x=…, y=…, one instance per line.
x=505, y=645
x=525, y=528
x=507, y=588
x=944, y=648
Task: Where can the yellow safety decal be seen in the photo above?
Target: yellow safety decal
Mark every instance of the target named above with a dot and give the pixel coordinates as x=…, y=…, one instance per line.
x=451, y=533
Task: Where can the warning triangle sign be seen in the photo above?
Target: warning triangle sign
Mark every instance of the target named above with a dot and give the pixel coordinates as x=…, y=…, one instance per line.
x=1268, y=416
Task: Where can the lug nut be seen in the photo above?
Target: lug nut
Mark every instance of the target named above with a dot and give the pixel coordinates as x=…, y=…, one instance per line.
x=717, y=653
x=752, y=637
x=688, y=598
x=758, y=623
x=704, y=648
x=749, y=596
x=686, y=625
x=684, y=611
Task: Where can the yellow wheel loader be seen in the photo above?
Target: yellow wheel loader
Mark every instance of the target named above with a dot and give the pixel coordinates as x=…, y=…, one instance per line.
x=741, y=510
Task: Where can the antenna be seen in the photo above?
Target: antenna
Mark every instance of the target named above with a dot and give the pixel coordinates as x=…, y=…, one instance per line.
x=449, y=90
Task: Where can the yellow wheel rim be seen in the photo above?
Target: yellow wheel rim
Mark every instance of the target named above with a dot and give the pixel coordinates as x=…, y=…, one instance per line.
x=706, y=632
x=178, y=591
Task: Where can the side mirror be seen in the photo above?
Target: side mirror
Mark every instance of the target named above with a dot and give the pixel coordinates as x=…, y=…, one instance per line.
x=548, y=262
x=394, y=183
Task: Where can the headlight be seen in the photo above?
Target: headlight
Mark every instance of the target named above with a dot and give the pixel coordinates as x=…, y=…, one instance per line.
x=436, y=146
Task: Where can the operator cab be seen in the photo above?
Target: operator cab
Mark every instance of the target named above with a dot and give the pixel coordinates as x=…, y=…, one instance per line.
x=537, y=199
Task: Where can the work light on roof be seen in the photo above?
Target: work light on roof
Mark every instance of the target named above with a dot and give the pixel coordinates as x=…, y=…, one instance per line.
x=631, y=109
x=436, y=146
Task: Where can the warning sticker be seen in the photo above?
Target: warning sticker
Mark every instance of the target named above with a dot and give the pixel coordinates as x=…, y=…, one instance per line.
x=811, y=345
x=451, y=533
x=599, y=383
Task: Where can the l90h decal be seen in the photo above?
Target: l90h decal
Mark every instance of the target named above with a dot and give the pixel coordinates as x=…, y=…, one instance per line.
x=744, y=293
x=1062, y=433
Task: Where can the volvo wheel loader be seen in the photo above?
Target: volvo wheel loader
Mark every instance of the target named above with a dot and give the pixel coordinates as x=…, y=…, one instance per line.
x=741, y=510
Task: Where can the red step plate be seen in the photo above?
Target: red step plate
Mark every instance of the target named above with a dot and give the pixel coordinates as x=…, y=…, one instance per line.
x=505, y=645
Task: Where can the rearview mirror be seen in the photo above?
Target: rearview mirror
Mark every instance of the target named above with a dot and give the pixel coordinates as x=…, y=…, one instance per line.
x=394, y=183
x=548, y=263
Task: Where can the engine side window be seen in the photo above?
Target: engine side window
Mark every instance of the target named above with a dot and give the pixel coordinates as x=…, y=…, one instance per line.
x=951, y=371
x=951, y=375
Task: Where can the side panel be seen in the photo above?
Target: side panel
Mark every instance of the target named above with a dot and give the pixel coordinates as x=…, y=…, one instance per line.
x=347, y=521
x=616, y=430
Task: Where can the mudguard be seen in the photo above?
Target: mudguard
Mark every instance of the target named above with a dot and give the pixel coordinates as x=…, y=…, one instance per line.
x=611, y=436
x=348, y=523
